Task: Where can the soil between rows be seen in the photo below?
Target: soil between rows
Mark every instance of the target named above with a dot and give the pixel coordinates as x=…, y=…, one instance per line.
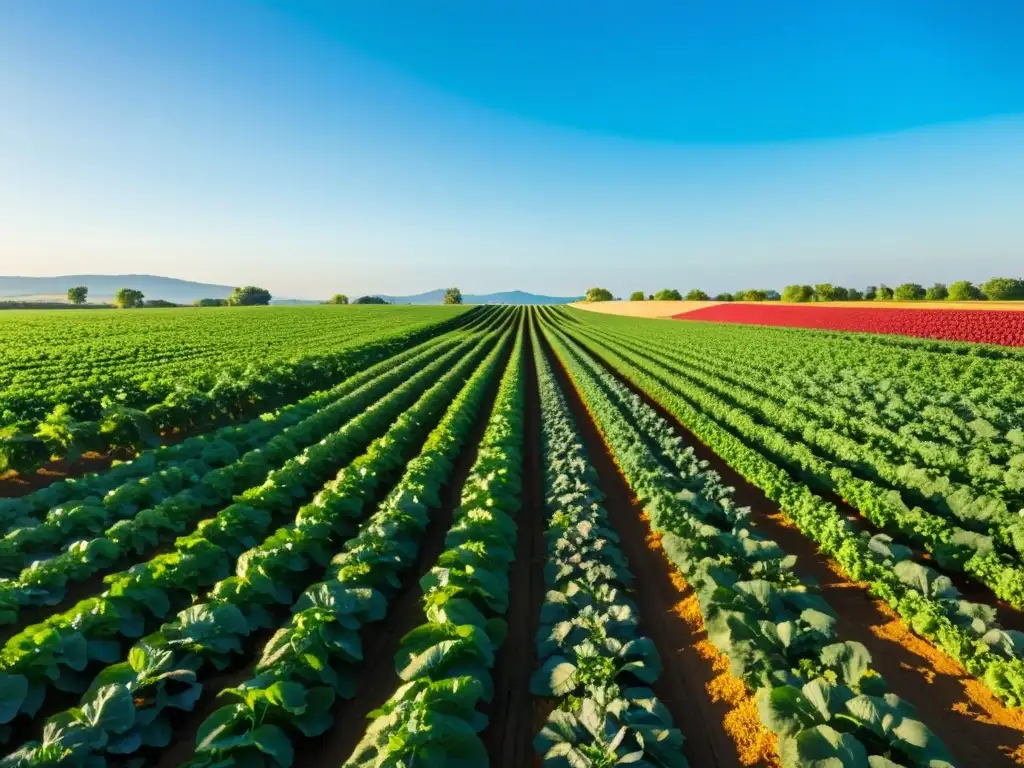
x=682, y=687
x=976, y=727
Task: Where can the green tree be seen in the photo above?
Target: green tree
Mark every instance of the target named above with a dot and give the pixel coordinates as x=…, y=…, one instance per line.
x=855, y=295
x=78, y=294
x=668, y=294
x=963, y=290
x=338, y=298
x=841, y=294
x=128, y=298
x=724, y=297
x=937, y=292
x=797, y=293
x=824, y=292
x=754, y=294
x=636, y=296
x=369, y=300
x=870, y=293
x=1003, y=289
x=249, y=296
x=598, y=294
x=697, y=295
x=452, y=296
x=210, y=303
x=909, y=292
x=883, y=293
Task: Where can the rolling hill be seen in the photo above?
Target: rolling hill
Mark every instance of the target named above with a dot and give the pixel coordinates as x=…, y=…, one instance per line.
x=102, y=289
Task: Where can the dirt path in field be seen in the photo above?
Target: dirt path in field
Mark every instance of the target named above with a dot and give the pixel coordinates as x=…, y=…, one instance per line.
x=377, y=679
x=976, y=727
x=509, y=734
x=688, y=672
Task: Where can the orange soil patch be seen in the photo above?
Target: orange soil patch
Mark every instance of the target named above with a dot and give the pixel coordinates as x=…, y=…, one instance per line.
x=755, y=744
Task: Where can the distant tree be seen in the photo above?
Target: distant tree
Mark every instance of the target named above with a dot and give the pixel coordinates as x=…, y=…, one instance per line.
x=841, y=294
x=598, y=294
x=870, y=293
x=338, y=298
x=754, y=294
x=797, y=293
x=369, y=300
x=452, y=296
x=1003, y=289
x=855, y=295
x=78, y=294
x=824, y=292
x=636, y=296
x=697, y=295
x=210, y=303
x=249, y=296
x=937, y=292
x=159, y=304
x=909, y=292
x=128, y=298
x=724, y=297
x=963, y=290
x=668, y=294
x=883, y=293
x=772, y=295
x=650, y=297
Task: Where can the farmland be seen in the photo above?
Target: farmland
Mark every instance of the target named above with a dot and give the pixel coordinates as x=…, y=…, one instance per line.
x=393, y=536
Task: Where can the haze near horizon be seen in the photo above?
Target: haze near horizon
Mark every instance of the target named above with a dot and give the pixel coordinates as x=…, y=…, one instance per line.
x=708, y=144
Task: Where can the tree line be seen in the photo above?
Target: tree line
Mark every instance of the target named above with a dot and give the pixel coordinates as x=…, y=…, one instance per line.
x=996, y=289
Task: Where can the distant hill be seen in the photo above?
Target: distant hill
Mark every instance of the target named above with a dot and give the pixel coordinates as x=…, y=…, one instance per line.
x=502, y=297
x=103, y=287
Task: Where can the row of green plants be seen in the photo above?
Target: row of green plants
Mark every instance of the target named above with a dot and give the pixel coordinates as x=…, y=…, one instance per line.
x=57, y=652
x=315, y=657
x=926, y=600
x=45, y=580
x=595, y=665
x=444, y=664
x=818, y=694
x=988, y=543
x=127, y=482
x=114, y=421
x=215, y=468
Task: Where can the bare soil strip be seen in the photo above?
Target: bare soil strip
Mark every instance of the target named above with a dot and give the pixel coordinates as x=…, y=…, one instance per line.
x=377, y=678
x=688, y=672
x=509, y=734
x=976, y=727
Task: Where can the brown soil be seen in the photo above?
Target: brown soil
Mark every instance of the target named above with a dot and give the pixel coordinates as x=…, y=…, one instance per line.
x=976, y=727
x=13, y=484
x=510, y=730
x=377, y=680
x=688, y=672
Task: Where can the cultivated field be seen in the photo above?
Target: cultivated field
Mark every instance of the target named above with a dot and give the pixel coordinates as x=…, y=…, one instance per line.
x=518, y=536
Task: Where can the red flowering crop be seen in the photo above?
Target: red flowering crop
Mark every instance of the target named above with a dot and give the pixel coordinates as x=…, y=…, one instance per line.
x=977, y=325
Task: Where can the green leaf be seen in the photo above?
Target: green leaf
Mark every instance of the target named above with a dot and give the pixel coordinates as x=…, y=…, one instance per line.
x=556, y=678
x=111, y=709
x=13, y=690
x=271, y=740
x=824, y=747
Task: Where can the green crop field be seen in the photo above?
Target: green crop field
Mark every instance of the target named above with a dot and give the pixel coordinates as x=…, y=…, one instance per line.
x=402, y=536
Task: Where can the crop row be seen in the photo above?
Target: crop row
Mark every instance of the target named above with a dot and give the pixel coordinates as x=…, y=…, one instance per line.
x=315, y=657
x=58, y=650
x=818, y=694
x=44, y=581
x=987, y=546
x=93, y=419
x=595, y=665
x=926, y=600
x=443, y=665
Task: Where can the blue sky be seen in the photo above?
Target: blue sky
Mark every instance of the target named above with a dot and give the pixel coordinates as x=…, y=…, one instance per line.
x=549, y=146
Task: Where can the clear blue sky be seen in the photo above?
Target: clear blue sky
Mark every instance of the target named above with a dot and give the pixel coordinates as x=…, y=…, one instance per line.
x=397, y=147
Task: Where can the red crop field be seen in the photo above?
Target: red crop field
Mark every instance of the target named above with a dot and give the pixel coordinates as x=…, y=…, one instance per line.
x=974, y=325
